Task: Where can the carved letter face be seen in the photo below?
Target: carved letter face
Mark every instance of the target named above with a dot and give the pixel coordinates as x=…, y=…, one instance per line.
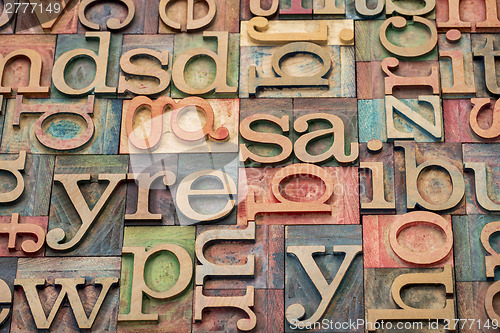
x=112, y=23
x=188, y=23
x=163, y=274
x=23, y=239
x=338, y=248
x=84, y=292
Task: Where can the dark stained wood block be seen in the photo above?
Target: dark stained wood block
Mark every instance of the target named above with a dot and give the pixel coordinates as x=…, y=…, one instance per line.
x=106, y=117
x=105, y=234
x=161, y=273
x=300, y=290
x=7, y=275
x=35, y=200
x=471, y=305
x=51, y=269
x=468, y=249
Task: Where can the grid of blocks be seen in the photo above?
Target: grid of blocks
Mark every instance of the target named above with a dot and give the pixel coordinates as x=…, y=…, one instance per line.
x=249, y=166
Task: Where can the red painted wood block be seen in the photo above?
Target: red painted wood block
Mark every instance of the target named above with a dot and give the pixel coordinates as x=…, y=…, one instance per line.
x=268, y=250
x=385, y=247
x=302, y=193
x=268, y=307
x=31, y=235
x=472, y=298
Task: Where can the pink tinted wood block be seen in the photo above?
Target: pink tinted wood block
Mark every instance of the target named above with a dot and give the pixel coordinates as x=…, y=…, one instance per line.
x=268, y=250
x=451, y=120
x=41, y=221
x=470, y=11
x=418, y=238
x=301, y=188
x=268, y=307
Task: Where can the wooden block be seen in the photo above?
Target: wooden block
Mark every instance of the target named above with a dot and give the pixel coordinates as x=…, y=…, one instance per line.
x=371, y=118
x=63, y=131
x=7, y=21
x=332, y=75
x=369, y=47
x=474, y=15
x=470, y=254
x=64, y=23
x=161, y=272
x=471, y=301
x=279, y=32
x=268, y=308
x=217, y=202
x=482, y=178
x=99, y=235
x=322, y=300
x=137, y=80
x=221, y=136
x=53, y=271
x=144, y=16
x=455, y=65
x=421, y=291
x=328, y=9
x=371, y=79
x=416, y=239
x=306, y=192
x=268, y=250
x=451, y=119
x=266, y=116
x=376, y=178
x=37, y=175
x=267, y=7
x=201, y=75
x=17, y=63
x=7, y=276
x=485, y=51
x=293, y=9
x=313, y=144
x=80, y=74
x=22, y=236
x=226, y=17
x=155, y=198
x=429, y=188
x=365, y=9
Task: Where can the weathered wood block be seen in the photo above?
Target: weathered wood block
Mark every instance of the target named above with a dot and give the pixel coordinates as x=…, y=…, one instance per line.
x=473, y=15
x=266, y=132
x=456, y=65
x=372, y=82
x=279, y=32
x=294, y=9
x=299, y=194
x=158, y=200
x=7, y=276
x=143, y=17
x=416, y=239
x=484, y=49
x=7, y=21
x=208, y=78
x=306, y=286
x=475, y=118
x=81, y=73
x=65, y=130
x=206, y=190
x=80, y=181
x=482, y=178
x=326, y=131
x=267, y=7
x=470, y=252
x=180, y=132
x=422, y=292
x=161, y=273
x=437, y=185
x=87, y=272
x=37, y=177
x=369, y=47
x=26, y=236
x=471, y=300
x=268, y=250
x=301, y=75
x=137, y=76
x=43, y=22
x=418, y=119
x=268, y=308
x=329, y=9
x=18, y=63
x=365, y=9
x=376, y=179
x=224, y=17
